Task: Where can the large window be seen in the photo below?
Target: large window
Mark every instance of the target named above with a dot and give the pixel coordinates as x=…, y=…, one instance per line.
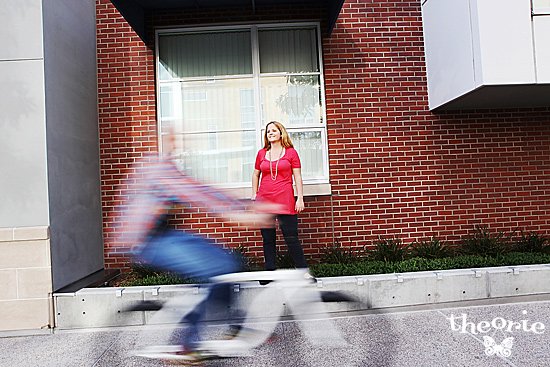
x=219, y=88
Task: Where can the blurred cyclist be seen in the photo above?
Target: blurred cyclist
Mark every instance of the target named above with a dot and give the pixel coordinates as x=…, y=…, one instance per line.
x=155, y=184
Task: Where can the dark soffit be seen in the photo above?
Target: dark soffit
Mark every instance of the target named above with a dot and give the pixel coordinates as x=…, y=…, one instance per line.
x=501, y=96
x=135, y=11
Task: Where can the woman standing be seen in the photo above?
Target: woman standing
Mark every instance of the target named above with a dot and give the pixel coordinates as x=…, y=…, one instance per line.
x=276, y=163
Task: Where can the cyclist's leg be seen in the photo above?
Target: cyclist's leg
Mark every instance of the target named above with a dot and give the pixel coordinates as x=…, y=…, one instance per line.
x=188, y=255
x=192, y=256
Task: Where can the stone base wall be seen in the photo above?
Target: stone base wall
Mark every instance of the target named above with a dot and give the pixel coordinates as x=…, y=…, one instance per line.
x=25, y=279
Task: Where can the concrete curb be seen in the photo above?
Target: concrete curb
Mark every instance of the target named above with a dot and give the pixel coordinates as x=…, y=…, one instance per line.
x=104, y=307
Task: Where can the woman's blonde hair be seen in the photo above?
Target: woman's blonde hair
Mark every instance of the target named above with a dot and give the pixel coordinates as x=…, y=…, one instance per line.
x=285, y=139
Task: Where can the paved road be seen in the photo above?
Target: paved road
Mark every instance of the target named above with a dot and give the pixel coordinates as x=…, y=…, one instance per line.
x=421, y=336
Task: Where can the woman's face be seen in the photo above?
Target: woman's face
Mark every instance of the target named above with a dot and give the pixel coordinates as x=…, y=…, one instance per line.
x=273, y=133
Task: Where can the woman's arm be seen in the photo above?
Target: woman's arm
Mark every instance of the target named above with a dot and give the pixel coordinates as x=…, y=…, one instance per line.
x=255, y=183
x=297, y=172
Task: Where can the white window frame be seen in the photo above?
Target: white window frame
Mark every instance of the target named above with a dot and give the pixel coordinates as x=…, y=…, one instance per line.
x=313, y=185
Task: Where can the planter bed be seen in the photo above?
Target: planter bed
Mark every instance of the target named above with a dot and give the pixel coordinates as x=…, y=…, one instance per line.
x=104, y=307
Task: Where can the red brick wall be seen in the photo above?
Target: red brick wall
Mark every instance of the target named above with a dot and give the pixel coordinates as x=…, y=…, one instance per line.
x=399, y=169
x=126, y=96
x=395, y=167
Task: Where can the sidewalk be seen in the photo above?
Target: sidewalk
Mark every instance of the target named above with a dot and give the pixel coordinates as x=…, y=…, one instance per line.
x=395, y=337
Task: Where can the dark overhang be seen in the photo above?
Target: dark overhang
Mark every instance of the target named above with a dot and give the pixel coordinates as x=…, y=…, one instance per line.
x=135, y=11
x=501, y=96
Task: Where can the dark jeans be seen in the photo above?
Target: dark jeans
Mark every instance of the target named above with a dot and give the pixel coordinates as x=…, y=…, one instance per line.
x=289, y=227
x=192, y=256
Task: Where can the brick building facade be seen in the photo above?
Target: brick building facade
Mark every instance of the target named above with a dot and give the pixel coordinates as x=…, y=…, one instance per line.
x=395, y=167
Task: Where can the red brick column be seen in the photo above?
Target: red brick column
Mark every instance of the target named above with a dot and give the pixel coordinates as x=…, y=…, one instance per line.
x=126, y=97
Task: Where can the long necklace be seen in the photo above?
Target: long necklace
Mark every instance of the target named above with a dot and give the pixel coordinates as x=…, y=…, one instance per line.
x=274, y=177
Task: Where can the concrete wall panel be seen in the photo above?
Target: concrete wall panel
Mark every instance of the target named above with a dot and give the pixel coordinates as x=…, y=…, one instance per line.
x=506, y=41
x=73, y=139
x=523, y=280
x=23, y=169
x=448, y=45
x=21, y=29
x=541, y=30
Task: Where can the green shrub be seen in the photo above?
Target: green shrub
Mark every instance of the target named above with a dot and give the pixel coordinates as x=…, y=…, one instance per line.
x=483, y=242
x=420, y=264
x=140, y=270
x=240, y=253
x=284, y=260
x=477, y=250
x=532, y=242
x=142, y=274
x=389, y=250
x=160, y=279
x=336, y=254
x=434, y=248
x=384, y=267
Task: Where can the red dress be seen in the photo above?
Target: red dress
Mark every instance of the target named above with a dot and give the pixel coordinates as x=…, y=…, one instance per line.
x=280, y=190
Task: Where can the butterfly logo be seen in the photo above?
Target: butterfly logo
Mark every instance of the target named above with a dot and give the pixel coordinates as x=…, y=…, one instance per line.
x=503, y=349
